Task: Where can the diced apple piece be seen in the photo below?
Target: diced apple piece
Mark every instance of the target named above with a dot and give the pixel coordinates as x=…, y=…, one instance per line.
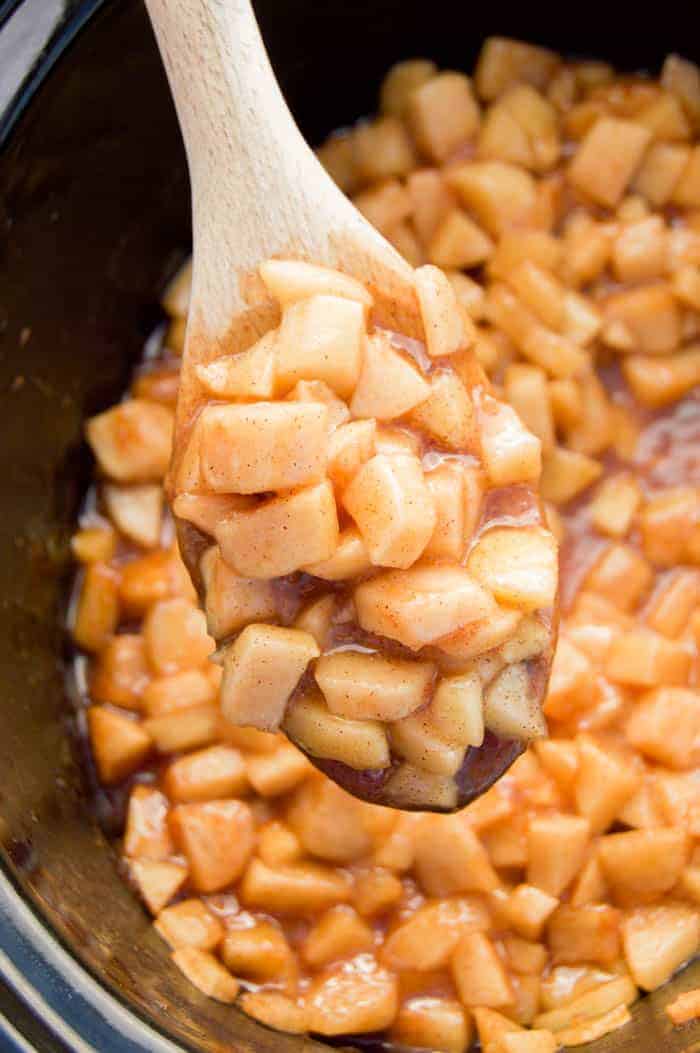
x=175, y=636
x=120, y=673
x=500, y=195
x=247, y=375
x=447, y=486
x=281, y=535
x=218, y=771
x=349, y=447
x=136, y=511
x=585, y=934
x=529, y=640
x=361, y=744
x=410, y=787
x=566, y=473
x=685, y=1007
x=605, y=780
x=476, y=639
x=642, y=658
x=291, y=280
x=319, y=392
x=180, y=691
x=97, y=613
x=329, y=823
x=206, y=510
x=538, y=1041
x=444, y=325
x=94, y=544
x=207, y=974
x=511, y=708
x=457, y=241
x=660, y=172
x=376, y=891
x=416, y=739
x=147, y=835
x=429, y=1022
x=261, y=670
x=528, y=909
x=518, y=565
x=511, y=453
x=651, y=315
x=157, y=882
x=183, y=729
x=479, y=973
x=389, y=384
x=419, y=606
x=658, y=940
x=442, y=114
x=275, y=1010
x=316, y=619
x=119, y=744
x=607, y=159
x=449, y=858
x=352, y=999
x=382, y=149
x=339, y=933
x=665, y=725
x=263, y=446
x=526, y=391
x=217, y=838
x=132, y=441
x=557, y=846
x=503, y=62
x=659, y=381
x=350, y=559
x=641, y=865
x=682, y=77
x=385, y=205
x=259, y=953
x=401, y=81
x=189, y=924
x=615, y=504
x=272, y=774
x=393, y=508
x=370, y=687
x=231, y=601
x=321, y=339
x=686, y=193
x=293, y=889
x=456, y=711
x=447, y=415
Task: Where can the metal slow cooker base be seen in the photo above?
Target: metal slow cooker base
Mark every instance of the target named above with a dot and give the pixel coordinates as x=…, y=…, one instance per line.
x=93, y=216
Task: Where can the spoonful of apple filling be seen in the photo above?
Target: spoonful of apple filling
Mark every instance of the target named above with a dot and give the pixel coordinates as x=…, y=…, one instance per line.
x=356, y=506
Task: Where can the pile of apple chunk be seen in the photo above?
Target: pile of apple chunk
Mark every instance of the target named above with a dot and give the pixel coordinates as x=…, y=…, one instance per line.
x=377, y=571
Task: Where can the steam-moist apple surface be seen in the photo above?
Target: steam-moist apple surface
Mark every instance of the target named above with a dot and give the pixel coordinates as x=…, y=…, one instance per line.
x=574, y=884
x=376, y=567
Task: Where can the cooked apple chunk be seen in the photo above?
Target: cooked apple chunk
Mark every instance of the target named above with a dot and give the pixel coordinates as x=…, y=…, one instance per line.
x=511, y=453
x=447, y=485
x=393, y=508
x=248, y=449
x=232, y=601
x=518, y=565
x=370, y=687
x=247, y=375
x=321, y=339
x=444, y=326
x=421, y=605
x=389, y=384
x=456, y=710
x=447, y=415
x=261, y=670
x=511, y=707
x=281, y=535
x=350, y=559
x=416, y=739
x=291, y=280
x=349, y=447
x=361, y=744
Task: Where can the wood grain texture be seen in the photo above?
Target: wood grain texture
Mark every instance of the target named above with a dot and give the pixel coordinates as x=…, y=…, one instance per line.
x=257, y=191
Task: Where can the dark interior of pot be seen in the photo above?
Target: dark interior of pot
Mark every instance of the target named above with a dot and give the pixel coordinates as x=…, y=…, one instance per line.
x=94, y=217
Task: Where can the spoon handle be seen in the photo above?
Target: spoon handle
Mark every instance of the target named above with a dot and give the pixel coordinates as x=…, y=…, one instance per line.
x=256, y=186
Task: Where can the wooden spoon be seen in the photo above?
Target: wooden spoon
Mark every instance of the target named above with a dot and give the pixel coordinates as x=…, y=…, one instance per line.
x=258, y=191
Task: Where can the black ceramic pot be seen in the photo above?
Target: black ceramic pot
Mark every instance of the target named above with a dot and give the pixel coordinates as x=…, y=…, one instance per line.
x=93, y=218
